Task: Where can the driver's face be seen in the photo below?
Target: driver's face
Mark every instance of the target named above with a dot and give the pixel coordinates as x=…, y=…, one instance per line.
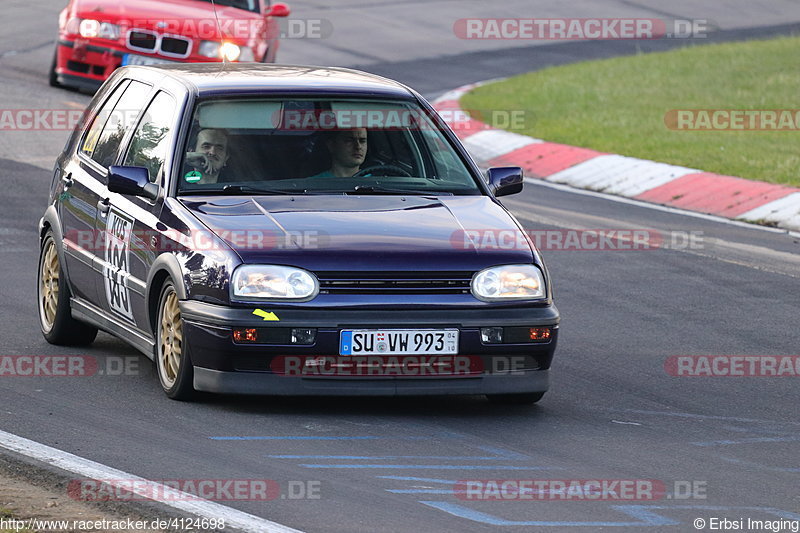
x=349, y=148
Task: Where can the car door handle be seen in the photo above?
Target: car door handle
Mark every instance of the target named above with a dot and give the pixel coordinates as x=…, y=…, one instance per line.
x=67, y=180
x=103, y=206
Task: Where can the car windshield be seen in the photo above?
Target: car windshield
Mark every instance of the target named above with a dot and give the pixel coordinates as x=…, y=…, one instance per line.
x=247, y=5
x=320, y=146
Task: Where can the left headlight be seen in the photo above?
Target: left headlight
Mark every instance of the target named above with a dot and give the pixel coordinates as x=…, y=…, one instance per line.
x=90, y=28
x=509, y=282
x=268, y=282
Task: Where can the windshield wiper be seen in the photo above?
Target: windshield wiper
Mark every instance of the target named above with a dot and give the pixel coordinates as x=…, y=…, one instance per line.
x=371, y=189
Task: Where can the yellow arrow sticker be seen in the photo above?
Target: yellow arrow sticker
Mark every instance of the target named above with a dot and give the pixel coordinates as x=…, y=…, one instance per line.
x=266, y=316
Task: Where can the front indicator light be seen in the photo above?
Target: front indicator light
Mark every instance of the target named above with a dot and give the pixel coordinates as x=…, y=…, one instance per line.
x=539, y=334
x=245, y=335
x=517, y=335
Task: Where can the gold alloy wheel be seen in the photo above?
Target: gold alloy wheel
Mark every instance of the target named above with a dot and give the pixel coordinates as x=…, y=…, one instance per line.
x=171, y=338
x=48, y=285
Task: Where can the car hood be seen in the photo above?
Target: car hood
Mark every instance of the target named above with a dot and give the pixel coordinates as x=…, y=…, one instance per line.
x=366, y=233
x=146, y=13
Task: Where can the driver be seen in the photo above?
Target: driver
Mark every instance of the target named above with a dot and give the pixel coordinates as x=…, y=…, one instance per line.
x=210, y=154
x=348, y=149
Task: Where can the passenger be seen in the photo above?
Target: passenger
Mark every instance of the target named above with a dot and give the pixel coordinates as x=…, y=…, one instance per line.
x=210, y=155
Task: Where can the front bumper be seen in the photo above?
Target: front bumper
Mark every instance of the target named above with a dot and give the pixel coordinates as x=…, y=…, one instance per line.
x=85, y=66
x=223, y=366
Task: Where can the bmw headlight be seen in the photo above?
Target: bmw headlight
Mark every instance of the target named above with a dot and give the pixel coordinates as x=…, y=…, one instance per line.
x=267, y=282
x=227, y=51
x=509, y=282
x=90, y=28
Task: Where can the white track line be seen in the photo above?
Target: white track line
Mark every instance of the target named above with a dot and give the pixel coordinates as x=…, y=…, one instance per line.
x=187, y=503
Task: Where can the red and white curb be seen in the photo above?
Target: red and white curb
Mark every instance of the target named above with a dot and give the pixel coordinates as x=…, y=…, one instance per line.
x=640, y=179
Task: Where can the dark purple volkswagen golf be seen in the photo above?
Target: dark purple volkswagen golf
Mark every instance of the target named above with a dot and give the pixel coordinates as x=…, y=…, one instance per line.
x=266, y=229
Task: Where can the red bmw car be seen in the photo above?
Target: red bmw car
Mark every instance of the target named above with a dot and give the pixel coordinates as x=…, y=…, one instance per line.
x=95, y=37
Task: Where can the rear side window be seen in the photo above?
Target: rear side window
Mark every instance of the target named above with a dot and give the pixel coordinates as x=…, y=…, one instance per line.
x=150, y=142
x=122, y=118
x=93, y=135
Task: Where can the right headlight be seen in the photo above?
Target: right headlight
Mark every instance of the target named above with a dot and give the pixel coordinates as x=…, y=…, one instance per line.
x=509, y=282
x=273, y=282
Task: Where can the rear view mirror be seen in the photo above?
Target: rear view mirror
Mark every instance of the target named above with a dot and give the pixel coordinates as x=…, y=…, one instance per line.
x=132, y=181
x=505, y=180
x=278, y=9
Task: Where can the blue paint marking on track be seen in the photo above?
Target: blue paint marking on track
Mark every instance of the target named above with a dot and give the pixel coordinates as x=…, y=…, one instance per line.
x=385, y=457
x=643, y=518
x=297, y=437
x=420, y=491
x=426, y=479
x=752, y=464
x=747, y=440
x=645, y=515
x=431, y=467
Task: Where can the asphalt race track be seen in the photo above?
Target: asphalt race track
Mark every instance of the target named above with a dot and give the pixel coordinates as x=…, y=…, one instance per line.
x=389, y=465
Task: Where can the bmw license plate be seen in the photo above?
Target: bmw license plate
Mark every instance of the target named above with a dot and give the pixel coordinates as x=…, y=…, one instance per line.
x=398, y=341
x=133, y=59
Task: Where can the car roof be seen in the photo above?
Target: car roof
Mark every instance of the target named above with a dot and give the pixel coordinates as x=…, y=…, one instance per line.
x=209, y=79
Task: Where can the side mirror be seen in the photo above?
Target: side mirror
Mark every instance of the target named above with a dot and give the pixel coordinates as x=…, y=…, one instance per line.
x=278, y=9
x=505, y=180
x=132, y=181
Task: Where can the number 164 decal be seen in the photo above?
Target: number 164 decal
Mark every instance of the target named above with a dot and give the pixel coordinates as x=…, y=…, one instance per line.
x=117, y=264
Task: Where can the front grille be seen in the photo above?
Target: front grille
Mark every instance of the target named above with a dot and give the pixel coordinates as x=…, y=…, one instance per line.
x=142, y=40
x=166, y=45
x=394, y=282
x=176, y=46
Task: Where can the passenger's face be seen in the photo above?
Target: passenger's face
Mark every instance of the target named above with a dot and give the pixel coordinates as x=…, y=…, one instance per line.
x=349, y=148
x=214, y=144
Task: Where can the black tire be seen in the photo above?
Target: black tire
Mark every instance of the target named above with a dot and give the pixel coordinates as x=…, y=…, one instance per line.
x=53, y=301
x=525, y=398
x=173, y=363
x=53, y=77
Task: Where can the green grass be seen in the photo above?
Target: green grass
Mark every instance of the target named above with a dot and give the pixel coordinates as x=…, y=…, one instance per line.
x=9, y=514
x=618, y=105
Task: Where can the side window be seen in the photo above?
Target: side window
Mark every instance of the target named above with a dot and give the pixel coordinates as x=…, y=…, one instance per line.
x=121, y=119
x=150, y=142
x=93, y=135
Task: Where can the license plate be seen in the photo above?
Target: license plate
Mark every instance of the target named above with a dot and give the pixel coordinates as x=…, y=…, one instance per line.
x=133, y=59
x=398, y=341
